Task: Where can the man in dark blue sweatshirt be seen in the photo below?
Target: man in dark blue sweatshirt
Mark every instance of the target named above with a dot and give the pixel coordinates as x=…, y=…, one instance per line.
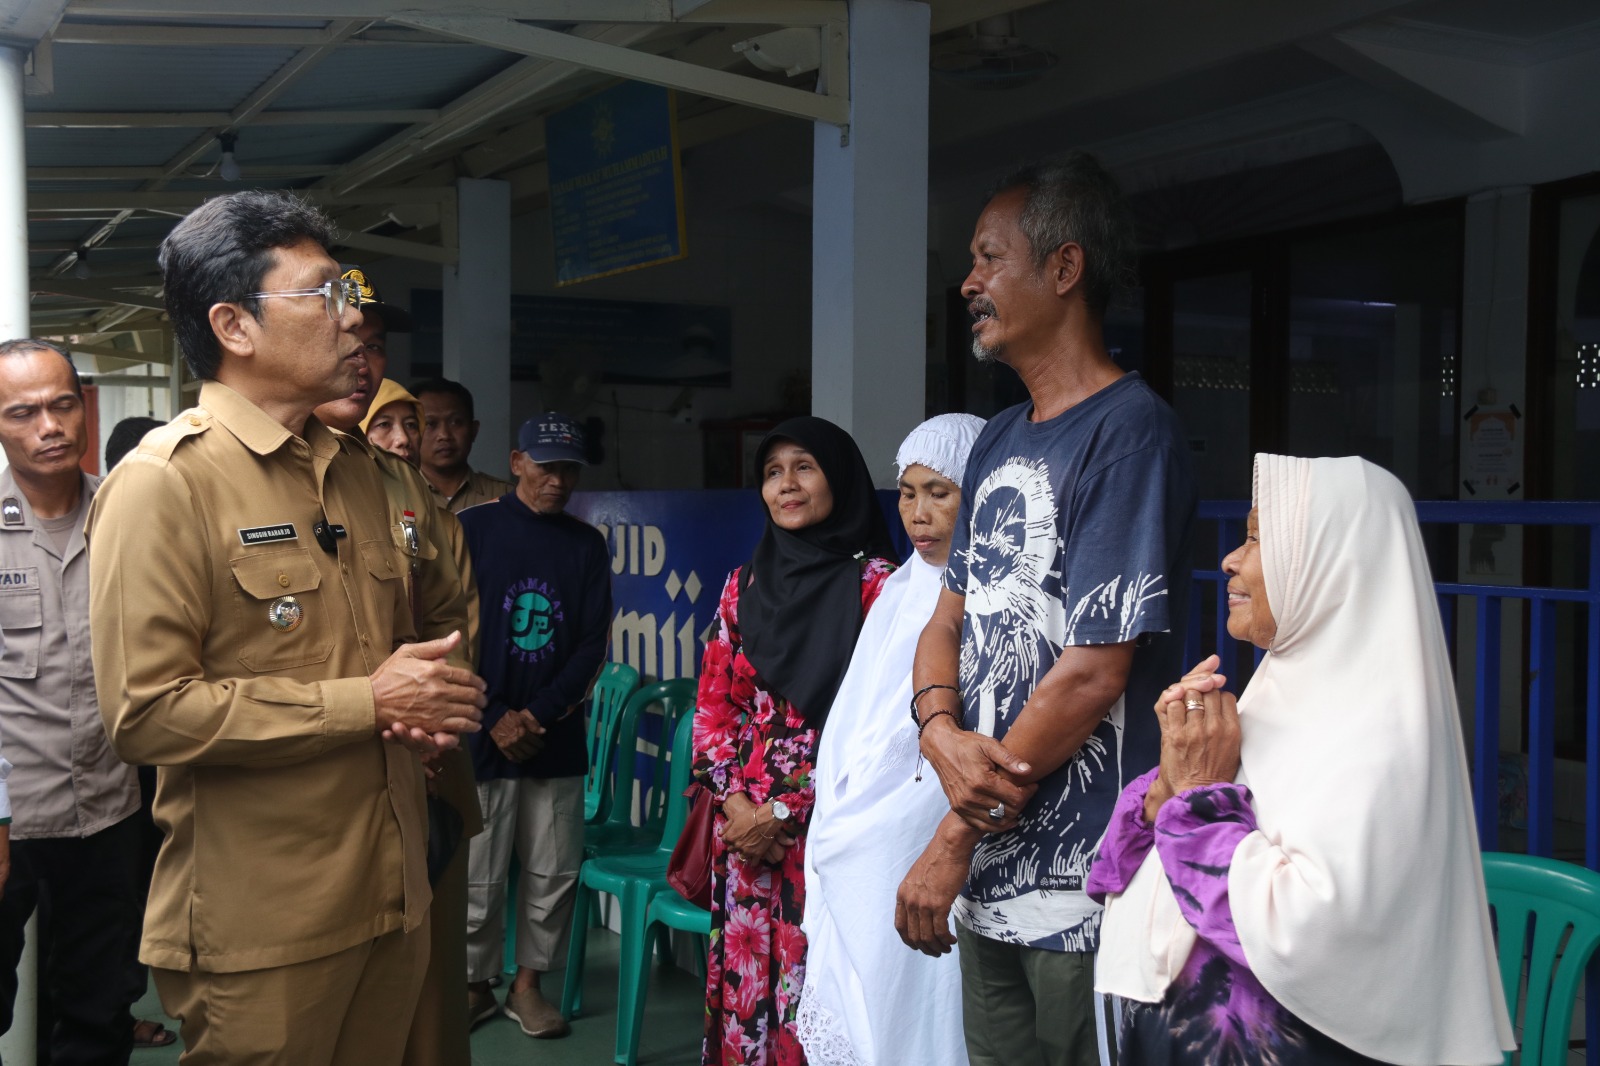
x=544, y=590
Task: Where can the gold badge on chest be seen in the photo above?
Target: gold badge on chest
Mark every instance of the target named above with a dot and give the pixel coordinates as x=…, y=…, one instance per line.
x=286, y=613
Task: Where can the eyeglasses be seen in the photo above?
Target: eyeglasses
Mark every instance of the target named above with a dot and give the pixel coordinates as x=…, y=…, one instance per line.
x=335, y=295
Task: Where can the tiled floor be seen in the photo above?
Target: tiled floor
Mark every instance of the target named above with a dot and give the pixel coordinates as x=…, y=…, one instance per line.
x=671, y=1023
x=671, y=1027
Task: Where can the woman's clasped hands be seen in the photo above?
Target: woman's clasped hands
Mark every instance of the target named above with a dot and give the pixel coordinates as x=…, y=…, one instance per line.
x=753, y=832
x=1199, y=735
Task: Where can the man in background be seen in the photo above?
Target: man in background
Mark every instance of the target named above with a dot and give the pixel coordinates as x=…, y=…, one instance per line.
x=443, y=598
x=74, y=837
x=449, y=426
x=123, y=438
x=545, y=581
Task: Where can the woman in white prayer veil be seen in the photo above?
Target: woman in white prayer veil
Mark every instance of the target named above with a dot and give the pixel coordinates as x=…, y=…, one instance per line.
x=1299, y=880
x=868, y=1001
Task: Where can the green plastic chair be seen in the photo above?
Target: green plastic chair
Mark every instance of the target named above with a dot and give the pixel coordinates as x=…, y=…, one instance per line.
x=635, y=879
x=620, y=833
x=617, y=682
x=668, y=910
x=1550, y=897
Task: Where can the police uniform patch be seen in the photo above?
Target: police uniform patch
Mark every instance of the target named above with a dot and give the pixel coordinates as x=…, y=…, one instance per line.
x=11, y=511
x=19, y=579
x=286, y=613
x=268, y=534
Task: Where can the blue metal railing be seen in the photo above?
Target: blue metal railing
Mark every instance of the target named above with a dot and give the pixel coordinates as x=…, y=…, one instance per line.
x=1538, y=663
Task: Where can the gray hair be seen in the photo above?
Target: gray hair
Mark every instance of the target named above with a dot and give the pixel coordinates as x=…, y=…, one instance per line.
x=1075, y=200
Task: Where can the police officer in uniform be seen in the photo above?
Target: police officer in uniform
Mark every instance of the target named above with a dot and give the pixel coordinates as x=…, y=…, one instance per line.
x=250, y=621
x=75, y=837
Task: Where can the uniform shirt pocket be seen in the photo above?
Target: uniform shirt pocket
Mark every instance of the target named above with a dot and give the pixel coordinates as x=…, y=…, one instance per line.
x=280, y=610
x=22, y=619
x=389, y=571
x=383, y=560
x=412, y=544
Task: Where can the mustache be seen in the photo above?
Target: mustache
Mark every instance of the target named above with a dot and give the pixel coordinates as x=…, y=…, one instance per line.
x=980, y=305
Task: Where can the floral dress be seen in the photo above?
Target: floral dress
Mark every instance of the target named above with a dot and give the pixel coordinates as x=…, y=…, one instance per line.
x=747, y=739
x=1215, y=1012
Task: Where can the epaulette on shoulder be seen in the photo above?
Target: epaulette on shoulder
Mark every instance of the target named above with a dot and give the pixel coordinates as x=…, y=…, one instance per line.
x=163, y=441
x=349, y=442
x=399, y=470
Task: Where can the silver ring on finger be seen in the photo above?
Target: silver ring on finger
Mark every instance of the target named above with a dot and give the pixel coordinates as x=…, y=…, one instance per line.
x=997, y=812
x=1194, y=705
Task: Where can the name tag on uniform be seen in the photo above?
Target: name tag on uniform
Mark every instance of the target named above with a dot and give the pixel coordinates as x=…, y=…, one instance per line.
x=267, y=534
x=19, y=579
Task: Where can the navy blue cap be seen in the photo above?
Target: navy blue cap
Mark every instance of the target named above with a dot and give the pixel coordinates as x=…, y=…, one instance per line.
x=552, y=438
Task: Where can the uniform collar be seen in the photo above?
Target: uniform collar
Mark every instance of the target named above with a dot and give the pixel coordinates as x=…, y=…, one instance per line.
x=466, y=482
x=259, y=431
x=9, y=490
x=31, y=524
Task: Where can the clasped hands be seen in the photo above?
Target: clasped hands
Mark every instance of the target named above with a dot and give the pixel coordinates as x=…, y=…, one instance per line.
x=753, y=832
x=421, y=702
x=986, y=788
x=520, y=736
x=1199, y=735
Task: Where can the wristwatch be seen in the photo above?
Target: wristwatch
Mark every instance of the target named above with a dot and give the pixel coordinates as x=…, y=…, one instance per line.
x=780, y=810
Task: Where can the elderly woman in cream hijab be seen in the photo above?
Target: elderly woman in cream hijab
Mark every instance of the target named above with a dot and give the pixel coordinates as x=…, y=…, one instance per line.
x=1299, y=880
x=867, y=1000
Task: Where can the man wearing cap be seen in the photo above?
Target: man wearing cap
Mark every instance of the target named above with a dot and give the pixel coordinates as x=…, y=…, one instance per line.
x=443, y=598
x=545, y=583
x=449, y=426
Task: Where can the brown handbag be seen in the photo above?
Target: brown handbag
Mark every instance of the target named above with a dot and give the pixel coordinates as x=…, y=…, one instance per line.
x=689, y=869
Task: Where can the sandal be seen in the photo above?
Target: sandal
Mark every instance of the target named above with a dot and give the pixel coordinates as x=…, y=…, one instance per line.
x=147, y=1033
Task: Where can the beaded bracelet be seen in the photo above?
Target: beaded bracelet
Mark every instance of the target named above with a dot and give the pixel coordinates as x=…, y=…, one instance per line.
x=924, y=690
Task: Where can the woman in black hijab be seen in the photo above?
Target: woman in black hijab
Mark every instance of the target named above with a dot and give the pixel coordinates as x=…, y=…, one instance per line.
x=786, y=627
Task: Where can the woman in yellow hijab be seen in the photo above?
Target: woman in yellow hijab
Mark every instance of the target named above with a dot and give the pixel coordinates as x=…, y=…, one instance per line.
x=394, y=422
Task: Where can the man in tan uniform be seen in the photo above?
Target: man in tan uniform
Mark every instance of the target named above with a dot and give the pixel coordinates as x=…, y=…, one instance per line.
x=444, y=598
x=449, y=426
x=75, y=838
x=249, y=610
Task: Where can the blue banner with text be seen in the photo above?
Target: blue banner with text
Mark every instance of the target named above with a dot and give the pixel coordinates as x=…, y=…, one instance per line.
x=671, y=552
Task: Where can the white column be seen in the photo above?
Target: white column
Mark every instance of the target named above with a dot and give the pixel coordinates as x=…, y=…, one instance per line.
x=13, y=199
x=477, y=316
x=18, y=1044
x=869, y=243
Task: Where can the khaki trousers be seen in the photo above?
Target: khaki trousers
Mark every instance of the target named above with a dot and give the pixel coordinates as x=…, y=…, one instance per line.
x=543, y=819
x=339, y=1010
x=439, y=1028
x=1023, y=1006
